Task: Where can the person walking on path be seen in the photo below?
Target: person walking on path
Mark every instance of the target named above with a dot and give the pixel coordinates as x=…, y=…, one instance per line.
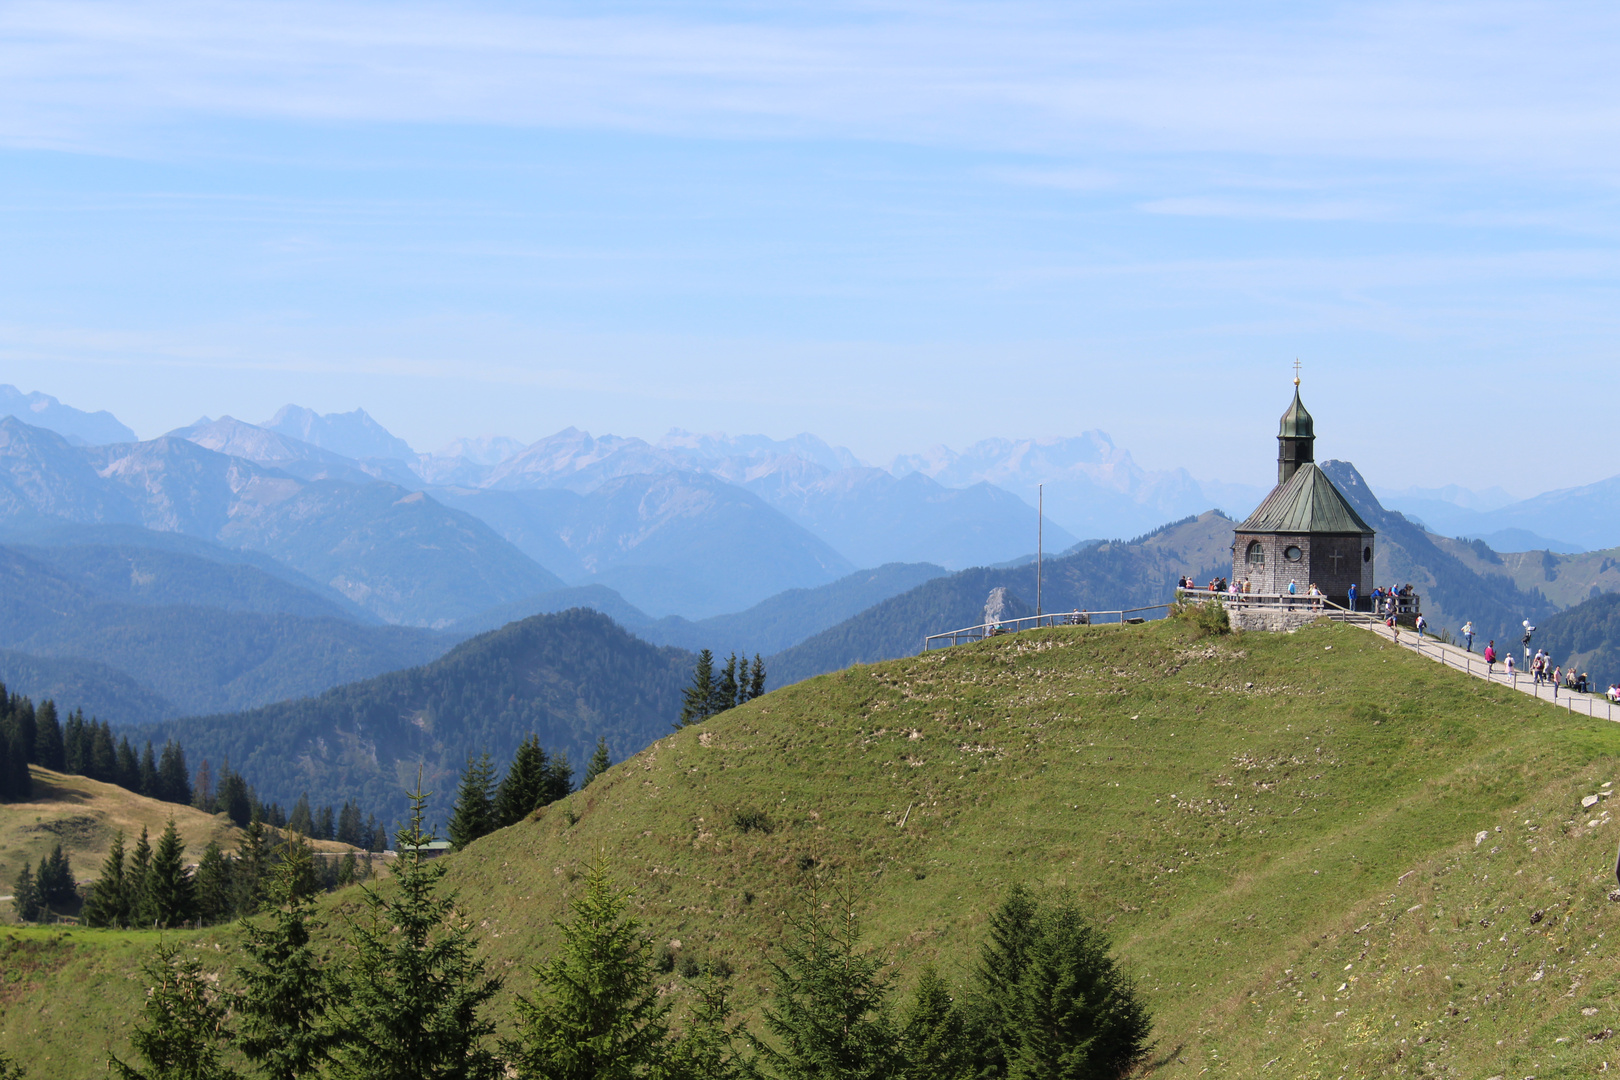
x=1422, y=624
x=1490, y=658
x=1468, y=635
x=1507, y=662
x=1558, y=673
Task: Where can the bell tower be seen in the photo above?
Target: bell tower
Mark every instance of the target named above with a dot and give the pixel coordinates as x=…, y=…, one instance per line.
x=1296, y=437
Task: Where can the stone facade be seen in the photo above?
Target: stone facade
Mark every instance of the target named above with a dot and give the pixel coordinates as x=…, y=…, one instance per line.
x=1333, y=561
x=1270, y=620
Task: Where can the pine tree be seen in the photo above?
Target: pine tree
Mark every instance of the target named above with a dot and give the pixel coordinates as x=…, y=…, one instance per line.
x=600, y=763
x=25, y=895
x=474, y=813
x=284, y=1002
x=173, y=780
x=49, y=750
x=756, y=679
x=216, y=900
x=829, y=1012
x=108, y=902
x=599, y=1016
x=412, y=993
x=168, y=893
x=182, y=1032
x=323, y=827
x=524, y=785
x=697, y=700
x=10, y=1070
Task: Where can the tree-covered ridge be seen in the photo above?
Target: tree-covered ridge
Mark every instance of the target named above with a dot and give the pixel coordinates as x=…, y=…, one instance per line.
x=184, y=658
x=1586, y=636
x=566, y=679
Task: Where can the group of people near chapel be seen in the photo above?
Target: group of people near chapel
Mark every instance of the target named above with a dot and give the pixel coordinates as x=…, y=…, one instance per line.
x=1540, y=665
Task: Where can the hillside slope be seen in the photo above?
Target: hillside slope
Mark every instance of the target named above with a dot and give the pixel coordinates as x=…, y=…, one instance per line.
x=1318, y=855
x=567, y=678
x=1277, y=830
x=83, y=815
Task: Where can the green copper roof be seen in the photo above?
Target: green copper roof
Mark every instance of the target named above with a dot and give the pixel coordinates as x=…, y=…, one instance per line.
x=1307, y=503
x=1296, y=422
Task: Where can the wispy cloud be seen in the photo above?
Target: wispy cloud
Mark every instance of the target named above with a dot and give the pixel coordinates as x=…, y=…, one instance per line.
x=1513, y=85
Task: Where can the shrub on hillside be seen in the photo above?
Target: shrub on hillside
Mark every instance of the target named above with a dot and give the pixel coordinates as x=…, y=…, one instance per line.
x=1207, y=617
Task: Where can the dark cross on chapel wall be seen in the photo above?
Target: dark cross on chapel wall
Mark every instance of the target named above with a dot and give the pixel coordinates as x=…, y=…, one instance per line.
x=1335, y=559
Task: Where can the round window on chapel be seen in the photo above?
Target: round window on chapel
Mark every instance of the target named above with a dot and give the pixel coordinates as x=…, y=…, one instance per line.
x=1257, y=554
x=1292, y=553
x=1366, y=554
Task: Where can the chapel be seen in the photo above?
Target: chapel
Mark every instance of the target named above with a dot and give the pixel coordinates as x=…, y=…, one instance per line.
x=1304, y=532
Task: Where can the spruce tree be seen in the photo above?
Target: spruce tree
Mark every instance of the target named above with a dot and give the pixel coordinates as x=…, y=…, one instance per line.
x=349, y=827
x=22, y=715
x=726, y=687
x=251, y=874
x=57, y=889
x=524, y=785
x=126, y=766
x=285, y=999
x=202, y=789
x=140, y=864
x=168, y=893
x=173, y=780
x=16, y=784
x=216, y=899
x=756, y=679
x=829, y=1011
x=25, y=895
x=108, y=902
x=49, y=750
x=151, y=786
x=181, y=1034
x=10, y=1070
x=103, y=763
x=302, y=821
x=412, y=993
x=324, y=826
x=600, y=762
x=233, y=796
x=598, y=1016
x=706, y=1048
x=559, y=779
x=474, y=814
x=697, y=700
x=74, y=744
x=933, y=1039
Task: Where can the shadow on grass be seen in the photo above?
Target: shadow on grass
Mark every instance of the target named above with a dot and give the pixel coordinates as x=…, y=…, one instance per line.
x=1154, y=1066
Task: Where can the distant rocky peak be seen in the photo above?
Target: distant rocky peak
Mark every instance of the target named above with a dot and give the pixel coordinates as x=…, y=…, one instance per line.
x=351, y=434
x=718, y=446
x=75, y=425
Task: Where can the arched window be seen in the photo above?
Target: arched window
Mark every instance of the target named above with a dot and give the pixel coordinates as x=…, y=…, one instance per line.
x=1366, y=554
x=1256, y=554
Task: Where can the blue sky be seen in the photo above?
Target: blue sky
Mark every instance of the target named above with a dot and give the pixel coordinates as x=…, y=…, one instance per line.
x=891, y=224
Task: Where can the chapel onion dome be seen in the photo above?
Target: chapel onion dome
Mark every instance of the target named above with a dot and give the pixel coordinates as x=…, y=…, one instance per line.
x=1296, y=422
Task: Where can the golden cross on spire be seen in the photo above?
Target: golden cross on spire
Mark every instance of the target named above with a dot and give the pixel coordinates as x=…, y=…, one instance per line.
x=1296, y=372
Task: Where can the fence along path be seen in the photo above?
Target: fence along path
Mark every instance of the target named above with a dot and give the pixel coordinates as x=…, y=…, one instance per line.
x=1473, y=664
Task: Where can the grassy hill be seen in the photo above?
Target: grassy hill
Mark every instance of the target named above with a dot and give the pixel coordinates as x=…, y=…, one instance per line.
x=1318, y=854
x=83, y=815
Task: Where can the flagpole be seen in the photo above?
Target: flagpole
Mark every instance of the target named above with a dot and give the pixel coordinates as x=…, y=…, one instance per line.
x=1040, y=530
